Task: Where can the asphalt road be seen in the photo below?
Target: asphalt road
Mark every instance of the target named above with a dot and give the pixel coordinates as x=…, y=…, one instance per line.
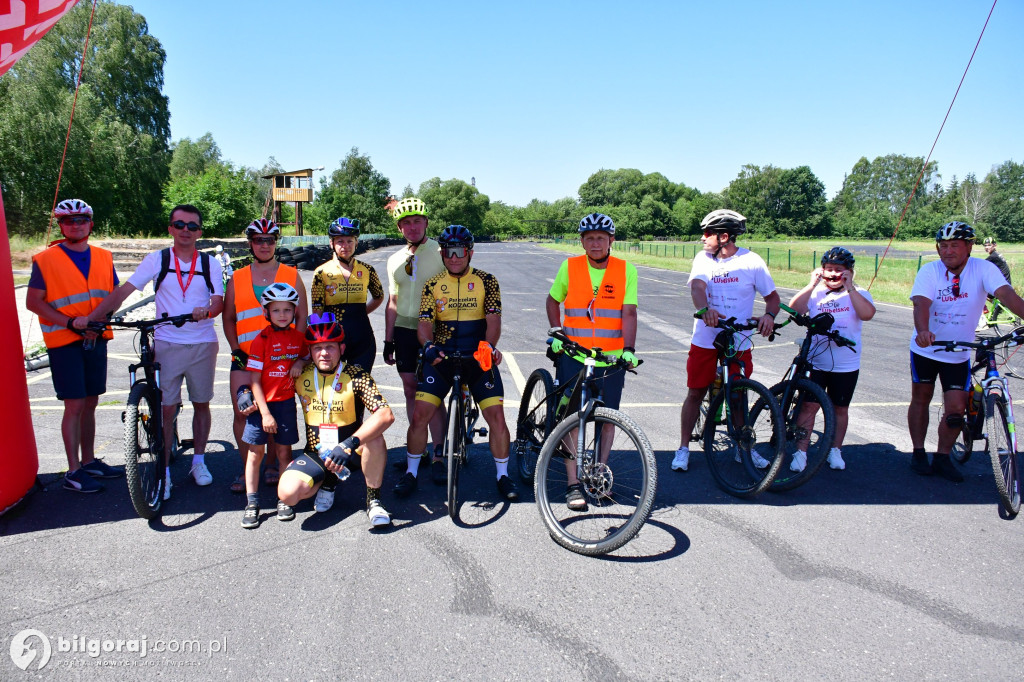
x=870, y=572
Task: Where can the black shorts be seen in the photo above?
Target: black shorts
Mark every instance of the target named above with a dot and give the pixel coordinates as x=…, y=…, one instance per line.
x=838, y=386
x=611, y=381
x=955, y=376
x=363, y=357
x=486, y=387
x=78, y=373
x=311, y=467
x=407, y=350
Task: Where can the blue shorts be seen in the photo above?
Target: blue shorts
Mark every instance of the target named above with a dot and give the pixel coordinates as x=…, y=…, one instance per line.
x=79, y=373
x=283, y=411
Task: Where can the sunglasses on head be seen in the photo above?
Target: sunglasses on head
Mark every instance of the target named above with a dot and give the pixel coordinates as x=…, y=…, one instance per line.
x=410, y=266
x=263, y=240
x=181, y=225
x=454, y=252
x=956, y=286
x=75, y=220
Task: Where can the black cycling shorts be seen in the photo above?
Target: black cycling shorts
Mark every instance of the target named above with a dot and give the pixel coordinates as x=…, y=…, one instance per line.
x=955, y=376
x=486, y=387
x=407, y=350
x=839, y=386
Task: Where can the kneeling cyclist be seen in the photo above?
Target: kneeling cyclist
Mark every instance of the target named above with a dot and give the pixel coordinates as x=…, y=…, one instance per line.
x=334, y=396
x=459, y=309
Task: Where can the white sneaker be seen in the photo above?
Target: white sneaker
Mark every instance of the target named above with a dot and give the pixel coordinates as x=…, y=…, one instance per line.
x=799, y=462
x=324, y=500
x=377, y=514
x=167, y=489
x=835, y=459
x=681, y=462
x=759, y=461
x=201, y=474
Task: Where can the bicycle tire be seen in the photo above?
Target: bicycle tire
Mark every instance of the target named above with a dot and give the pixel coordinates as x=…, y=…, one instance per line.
x=963, y=446
x=533, y=425
x=702, y=415
x=1012, y=358
x=1000, y=450
x=822, y=431
x=144, y=465
x=454, y=443
x=762, y=432
x=619, y=491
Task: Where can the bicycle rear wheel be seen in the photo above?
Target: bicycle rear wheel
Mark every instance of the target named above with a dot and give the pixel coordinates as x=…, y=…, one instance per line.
x=535, y=421
x=819, y=430
x=750, y=431
x=1001, y=451
x=702, y=416
x=454, y=447
x=1012, y=357
x=619, y=480
x=144, y=464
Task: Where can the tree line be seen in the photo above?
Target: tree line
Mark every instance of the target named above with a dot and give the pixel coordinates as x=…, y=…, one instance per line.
x=122, y=161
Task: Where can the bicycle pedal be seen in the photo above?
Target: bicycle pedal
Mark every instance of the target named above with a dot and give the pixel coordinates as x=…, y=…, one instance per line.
x=186, y=443
x=482, y=431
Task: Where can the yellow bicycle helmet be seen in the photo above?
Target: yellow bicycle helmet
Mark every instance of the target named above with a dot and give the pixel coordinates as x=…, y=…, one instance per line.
x=407, y=207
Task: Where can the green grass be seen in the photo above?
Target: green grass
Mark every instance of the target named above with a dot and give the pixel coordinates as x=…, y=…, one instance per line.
x=791, y=263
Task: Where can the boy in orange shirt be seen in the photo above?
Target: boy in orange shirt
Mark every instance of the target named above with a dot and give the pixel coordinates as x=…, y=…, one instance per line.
x=274, y=363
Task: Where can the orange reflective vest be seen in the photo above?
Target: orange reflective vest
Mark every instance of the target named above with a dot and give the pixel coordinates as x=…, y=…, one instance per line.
x=249, y=319
x=69, y=292
x=595, y=321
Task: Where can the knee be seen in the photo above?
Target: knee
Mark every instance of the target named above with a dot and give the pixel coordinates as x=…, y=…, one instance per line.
x=421, y=414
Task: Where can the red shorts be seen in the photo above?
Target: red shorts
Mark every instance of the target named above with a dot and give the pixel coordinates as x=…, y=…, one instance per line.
x=702, y=366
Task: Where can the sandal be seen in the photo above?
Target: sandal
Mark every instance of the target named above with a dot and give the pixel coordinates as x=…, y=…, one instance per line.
x=574, y=498
x=238, y=485
x=271, y=475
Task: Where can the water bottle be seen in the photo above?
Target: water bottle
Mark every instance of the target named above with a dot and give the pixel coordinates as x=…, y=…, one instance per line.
x=344, y=473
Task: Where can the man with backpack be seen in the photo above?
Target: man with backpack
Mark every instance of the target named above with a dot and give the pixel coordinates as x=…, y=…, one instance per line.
x=184, y=281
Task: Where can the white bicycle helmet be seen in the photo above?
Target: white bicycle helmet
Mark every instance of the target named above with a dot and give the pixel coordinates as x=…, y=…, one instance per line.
x=724, y=220
x=72, y=207
x=279, y=291
x=599, y=222
x=955, y=230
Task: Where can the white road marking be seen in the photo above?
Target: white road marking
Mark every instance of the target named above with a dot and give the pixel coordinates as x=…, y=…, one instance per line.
x=35, y=380
x=517, y=374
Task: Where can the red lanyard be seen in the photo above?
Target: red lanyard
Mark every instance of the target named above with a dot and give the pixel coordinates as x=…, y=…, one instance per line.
x=191, y=272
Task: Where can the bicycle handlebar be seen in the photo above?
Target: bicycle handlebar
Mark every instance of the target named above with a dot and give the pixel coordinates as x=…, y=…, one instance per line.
x=730, y=324
x=176, y=320
x=1015, y=335
x=805, y=320
x=571, y=347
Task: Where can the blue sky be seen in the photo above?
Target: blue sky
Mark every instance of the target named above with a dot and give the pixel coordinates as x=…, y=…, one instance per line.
x=531, y=98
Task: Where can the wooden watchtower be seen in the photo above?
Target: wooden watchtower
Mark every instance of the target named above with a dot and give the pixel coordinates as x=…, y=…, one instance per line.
x=294, y=186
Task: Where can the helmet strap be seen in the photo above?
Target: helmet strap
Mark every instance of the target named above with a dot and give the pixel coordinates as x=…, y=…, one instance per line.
x=598, y=261
x=257, y=258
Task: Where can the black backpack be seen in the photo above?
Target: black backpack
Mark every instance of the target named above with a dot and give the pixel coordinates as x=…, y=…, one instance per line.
x=165, y=267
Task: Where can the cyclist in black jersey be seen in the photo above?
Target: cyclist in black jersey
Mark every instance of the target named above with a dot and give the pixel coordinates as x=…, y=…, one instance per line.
x=460, y=309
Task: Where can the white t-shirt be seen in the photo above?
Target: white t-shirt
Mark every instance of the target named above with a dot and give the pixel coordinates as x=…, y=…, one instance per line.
x=733, y=283
x=169, y=297
x=954, y=319
x=825, y=355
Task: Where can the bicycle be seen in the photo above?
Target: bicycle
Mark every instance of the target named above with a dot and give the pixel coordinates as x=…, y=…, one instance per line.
x=743, y=437
x=602, y=449
x=463, y=414
x=997, y=320
x=796, y=390
x=992, y=419
x=145, y=460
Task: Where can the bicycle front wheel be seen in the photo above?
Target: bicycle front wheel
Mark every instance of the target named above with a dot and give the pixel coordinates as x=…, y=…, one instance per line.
x=144, y=465
x=535, y=421
x=618, y=477
x=744, y=448
x=1001, y=451
x=817, y=429
x=1012, y=357
x=455, y=445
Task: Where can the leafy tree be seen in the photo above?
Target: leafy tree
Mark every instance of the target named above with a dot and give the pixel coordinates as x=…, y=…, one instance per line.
x=193, y=157
x=779, y=200
x=228, y=198
x=454, y=202
x=118, y=152
x=1005, y=186
x=355, y=190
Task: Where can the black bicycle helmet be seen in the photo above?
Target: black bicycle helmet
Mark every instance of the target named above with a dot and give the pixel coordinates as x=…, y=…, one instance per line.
x=839, y=256
x=955, y=230
x=599, y=222
x=724, y=220
x=456, y=235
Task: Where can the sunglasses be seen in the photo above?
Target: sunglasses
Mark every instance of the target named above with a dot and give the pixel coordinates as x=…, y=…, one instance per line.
x=454, y=252
x=181, y=225
x=75, y=220
x=956, y=286
x=410, y=266
x=263, y=240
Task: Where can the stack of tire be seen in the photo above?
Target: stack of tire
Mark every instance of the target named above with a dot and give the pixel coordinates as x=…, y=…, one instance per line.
x=308, y=257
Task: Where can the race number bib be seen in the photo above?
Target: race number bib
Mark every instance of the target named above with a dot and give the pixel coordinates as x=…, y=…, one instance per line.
x=328, y=436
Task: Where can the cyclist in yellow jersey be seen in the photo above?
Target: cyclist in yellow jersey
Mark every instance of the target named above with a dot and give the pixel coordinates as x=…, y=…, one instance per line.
x=350, y=290
x=408, y=269
x=334, y=396
x=460, y=308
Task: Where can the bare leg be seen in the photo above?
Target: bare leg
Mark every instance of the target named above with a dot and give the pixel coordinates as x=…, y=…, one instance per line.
x=71, y=430
x=917, y=413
